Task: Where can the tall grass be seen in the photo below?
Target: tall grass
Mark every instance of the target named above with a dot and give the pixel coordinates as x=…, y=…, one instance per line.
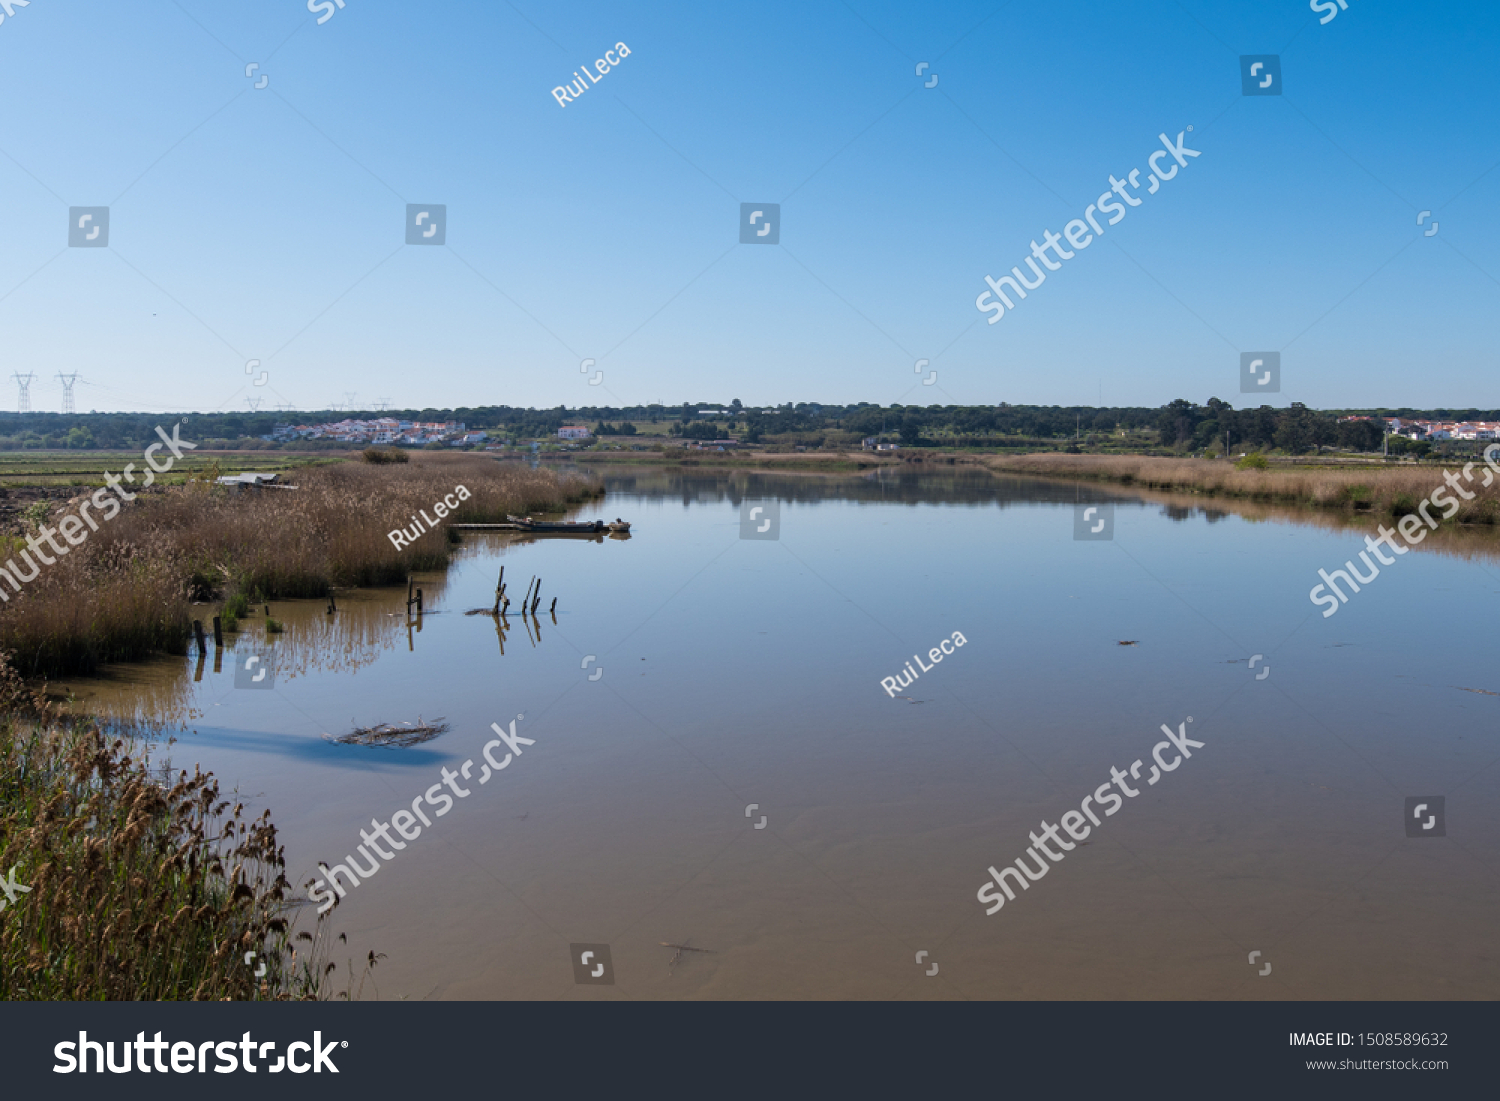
x=127, y=591
x=1386, y=491
x=138, y=885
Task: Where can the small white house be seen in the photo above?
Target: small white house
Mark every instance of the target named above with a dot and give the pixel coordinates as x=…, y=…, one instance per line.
x=573, y=432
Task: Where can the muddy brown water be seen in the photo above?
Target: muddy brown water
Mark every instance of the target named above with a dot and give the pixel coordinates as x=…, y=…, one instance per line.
x=695, y=684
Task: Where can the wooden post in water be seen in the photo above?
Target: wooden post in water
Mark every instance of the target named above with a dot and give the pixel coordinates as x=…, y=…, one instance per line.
x=218, y=635
x=332, y=607
x=202, y=642
x=536, y=597
x=553, y=608
x=408, y=594
x=419, y=602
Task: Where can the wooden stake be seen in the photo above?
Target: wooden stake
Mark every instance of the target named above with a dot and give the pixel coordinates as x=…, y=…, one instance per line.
x=202, y=642
x=218, y=635
x=419, y=602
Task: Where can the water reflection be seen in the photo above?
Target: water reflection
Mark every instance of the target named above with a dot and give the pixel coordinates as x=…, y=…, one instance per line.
x=733, y=672
x=155, y=695
x=911, y=484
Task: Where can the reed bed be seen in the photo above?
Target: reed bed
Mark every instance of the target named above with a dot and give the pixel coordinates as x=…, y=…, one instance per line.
x=140, y=886
x=1381, y=491
x=127, y=591
x=134, y=884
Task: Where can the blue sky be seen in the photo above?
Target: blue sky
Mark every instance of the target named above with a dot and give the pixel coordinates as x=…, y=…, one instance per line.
x=268, y=223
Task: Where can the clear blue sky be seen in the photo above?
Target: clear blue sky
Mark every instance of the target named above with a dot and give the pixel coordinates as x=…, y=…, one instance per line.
x=268, y=223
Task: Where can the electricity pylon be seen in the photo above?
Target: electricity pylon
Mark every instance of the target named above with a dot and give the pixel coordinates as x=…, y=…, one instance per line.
x=25, y=381
x=67, y=381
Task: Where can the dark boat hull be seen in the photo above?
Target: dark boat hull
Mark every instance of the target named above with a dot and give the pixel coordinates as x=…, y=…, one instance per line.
x=559, y=527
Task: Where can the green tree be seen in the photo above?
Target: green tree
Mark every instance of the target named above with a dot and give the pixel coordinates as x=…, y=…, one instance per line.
x=1177, y=422
x=1295, y=430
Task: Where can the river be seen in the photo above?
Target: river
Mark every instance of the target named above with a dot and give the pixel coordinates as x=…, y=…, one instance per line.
x=713, y=761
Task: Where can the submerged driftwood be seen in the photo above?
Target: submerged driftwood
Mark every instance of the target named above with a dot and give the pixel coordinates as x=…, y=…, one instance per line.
x=393, y=735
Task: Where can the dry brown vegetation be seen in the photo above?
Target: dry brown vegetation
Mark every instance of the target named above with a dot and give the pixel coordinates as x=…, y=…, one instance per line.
x=135, y=885
x=1381, y=491
x=127, y=591
x=132, y=883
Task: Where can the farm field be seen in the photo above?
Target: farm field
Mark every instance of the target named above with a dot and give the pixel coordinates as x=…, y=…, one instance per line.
x=20, y=469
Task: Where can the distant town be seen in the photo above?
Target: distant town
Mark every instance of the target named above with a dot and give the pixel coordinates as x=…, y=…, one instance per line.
x=381, y=430
x=1437, y=430
x=394, y=431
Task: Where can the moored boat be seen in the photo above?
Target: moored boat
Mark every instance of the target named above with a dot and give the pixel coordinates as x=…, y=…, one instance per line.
x=558, y=527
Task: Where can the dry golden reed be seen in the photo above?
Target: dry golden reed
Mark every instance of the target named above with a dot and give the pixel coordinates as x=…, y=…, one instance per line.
x=1383, y=491
x=140, y=885
x=127, y=591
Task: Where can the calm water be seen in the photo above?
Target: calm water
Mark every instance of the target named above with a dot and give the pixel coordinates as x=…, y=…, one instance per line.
x=739, y=671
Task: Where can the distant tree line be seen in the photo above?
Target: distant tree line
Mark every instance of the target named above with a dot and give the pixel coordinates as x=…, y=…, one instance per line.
x=1295, y=430
x=1180, y=425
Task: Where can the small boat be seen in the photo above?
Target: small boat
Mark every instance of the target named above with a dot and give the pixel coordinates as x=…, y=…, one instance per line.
x=619, y=527
x=558, y=527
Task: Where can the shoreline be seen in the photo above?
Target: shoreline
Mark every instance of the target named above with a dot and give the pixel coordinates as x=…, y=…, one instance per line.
x=1390, y=491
